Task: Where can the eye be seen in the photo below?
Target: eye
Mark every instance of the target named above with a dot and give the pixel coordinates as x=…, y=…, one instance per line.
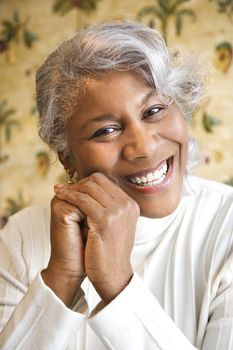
x=154, y=111
x=110, y=130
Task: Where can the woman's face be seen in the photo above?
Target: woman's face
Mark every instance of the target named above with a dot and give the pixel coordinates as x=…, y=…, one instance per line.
x=123, y=130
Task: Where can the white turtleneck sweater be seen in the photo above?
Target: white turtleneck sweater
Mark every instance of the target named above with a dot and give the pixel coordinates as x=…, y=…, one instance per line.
x=180, y=297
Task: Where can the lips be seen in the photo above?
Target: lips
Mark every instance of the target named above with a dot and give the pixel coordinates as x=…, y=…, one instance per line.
x=153, y=180
x=151, y=176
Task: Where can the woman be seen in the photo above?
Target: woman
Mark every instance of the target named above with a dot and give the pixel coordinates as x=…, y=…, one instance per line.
x=140, y=253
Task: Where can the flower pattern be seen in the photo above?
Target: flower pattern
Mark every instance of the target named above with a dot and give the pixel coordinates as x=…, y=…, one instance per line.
x=29, y=31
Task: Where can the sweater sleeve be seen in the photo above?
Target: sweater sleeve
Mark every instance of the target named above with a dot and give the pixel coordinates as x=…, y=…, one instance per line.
x=134, y=320
x=30, y=313
x=219, y=329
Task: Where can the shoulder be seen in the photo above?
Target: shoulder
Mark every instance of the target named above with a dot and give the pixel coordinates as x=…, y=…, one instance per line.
x=35, y=215
x=26, y=238
x=209, y=202
x=27, y=222
x=213, y=194
x=209, y=210
x=208, y=186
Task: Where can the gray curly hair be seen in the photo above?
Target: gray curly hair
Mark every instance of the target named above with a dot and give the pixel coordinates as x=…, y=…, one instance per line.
x=112, y=46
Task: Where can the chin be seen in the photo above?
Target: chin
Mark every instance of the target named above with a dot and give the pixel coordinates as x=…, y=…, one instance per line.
x=160, y=210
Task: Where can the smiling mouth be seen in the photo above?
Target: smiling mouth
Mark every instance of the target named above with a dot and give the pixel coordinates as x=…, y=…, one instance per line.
x=151, y=177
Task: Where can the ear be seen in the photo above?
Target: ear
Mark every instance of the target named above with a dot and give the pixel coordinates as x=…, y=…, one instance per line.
x=66, y=162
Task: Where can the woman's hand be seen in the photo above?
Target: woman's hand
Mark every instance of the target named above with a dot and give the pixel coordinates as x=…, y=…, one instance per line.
x=109, y=229
x=65, y=271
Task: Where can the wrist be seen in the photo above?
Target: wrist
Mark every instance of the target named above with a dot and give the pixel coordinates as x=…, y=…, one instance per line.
x=109, y=291
x=64, y=286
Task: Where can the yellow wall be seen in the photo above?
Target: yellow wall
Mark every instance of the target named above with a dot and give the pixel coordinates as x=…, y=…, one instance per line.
x=28, y=170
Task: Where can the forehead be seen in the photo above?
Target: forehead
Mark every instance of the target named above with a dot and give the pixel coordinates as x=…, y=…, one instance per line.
x=113, y=77
x=114, y=86
x=115, y=93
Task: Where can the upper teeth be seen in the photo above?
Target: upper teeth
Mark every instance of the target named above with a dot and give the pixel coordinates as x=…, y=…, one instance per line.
x=152, y=176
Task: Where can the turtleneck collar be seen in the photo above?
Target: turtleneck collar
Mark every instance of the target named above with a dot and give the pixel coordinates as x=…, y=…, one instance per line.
x=148, y=229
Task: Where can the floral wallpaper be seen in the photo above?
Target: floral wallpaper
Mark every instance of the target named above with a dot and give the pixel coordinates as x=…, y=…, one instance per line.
x=30, y=29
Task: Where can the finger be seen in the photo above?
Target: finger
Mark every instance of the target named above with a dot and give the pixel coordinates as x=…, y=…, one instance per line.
x=85, y=203
x=65, y=209
x=95, y=188
x=106, y=182
x=119, y=196
x=111, y=186
x=97, y=192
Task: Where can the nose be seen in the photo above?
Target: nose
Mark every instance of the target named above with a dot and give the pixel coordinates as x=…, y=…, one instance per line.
x=140, y=142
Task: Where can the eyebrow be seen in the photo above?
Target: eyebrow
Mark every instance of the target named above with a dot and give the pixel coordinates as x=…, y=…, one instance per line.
x=99, y=118
x=148, y=96
x=110, y=116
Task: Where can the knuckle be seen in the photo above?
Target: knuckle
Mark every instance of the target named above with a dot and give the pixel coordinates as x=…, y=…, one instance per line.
x=55, y=203
x=97, y=176
x=115, y=214
x=108, y=220
x=82, y=196
x=86, y=186
x=120, y=211
x=132, y=205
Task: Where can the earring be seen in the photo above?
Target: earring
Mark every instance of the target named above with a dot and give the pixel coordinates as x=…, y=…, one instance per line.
x=70, y=181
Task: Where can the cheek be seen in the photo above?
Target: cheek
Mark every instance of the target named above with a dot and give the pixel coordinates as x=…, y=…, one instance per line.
x=176, y=130
x=180, y=130
x=95, y=158
x=181, y=138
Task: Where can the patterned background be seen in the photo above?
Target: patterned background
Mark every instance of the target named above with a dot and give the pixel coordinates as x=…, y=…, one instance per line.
x=30, y=29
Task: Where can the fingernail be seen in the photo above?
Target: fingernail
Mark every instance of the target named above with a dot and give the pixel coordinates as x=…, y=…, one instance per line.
x=58, y=187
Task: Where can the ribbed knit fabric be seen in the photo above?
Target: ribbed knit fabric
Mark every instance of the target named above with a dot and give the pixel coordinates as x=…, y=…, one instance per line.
x=180, y=297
